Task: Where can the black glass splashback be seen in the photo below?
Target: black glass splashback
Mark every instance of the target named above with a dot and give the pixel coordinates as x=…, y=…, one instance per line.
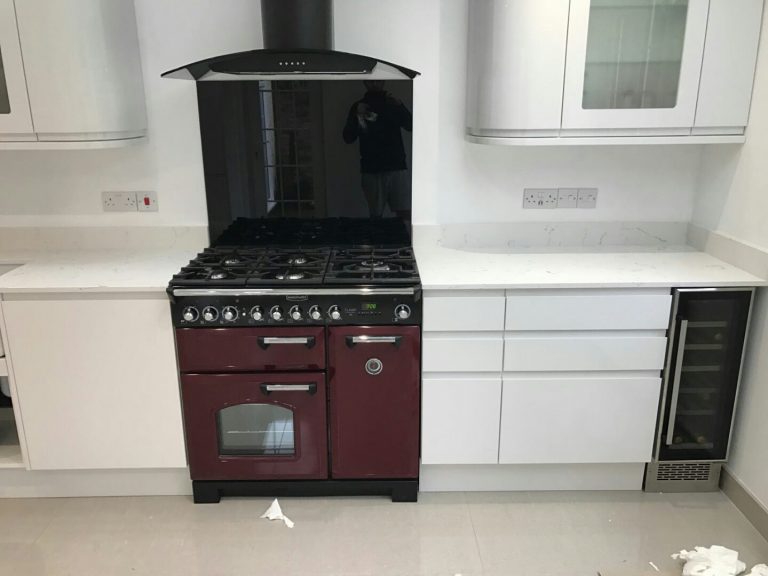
x=281, y=155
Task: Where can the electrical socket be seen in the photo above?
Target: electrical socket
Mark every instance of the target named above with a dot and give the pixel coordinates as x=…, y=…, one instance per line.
x=118, y=201
x=587, y=198
x=147, y=201
x=567, y=197
x=540, y=198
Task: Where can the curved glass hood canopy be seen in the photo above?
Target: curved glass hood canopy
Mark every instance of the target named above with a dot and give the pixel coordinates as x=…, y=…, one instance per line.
x=294, y=64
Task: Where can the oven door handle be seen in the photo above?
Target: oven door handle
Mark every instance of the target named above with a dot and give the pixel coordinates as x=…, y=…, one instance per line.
x=308, y=387
x=352, y=341
x=267, y=341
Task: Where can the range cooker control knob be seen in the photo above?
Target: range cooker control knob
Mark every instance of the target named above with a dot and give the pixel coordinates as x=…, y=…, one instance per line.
x=403, y=312
x=315, y=313
x=190, y=314
x=229, y=313
x=296, y=313
x=276, y=313
x=334, y=312
x=210, y=314
x=257, y=314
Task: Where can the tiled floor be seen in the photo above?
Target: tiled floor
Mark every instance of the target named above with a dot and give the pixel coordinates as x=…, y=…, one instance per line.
x=520, y=534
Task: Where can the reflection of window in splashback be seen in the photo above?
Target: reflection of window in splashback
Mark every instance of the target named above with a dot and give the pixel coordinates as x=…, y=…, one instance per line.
x=292, y=148
x=5, y=103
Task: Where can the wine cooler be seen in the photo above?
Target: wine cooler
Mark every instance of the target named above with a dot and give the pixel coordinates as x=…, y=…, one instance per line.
x=707, y=334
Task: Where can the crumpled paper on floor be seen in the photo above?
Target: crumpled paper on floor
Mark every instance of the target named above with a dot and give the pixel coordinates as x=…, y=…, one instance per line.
x=759, y=570
x=274, y=512
x=713, y=561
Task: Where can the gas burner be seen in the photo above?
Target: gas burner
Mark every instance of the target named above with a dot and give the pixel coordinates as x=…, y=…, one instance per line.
x=290, y=275
x=377, y=265
x=219, y=275
x=232, y=261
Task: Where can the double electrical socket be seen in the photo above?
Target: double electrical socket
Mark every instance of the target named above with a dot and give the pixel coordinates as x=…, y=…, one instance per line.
x=548, y=198
x=129, y=201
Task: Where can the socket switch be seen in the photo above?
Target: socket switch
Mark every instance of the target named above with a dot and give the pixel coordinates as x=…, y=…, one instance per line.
x=118, y=201
x=540, y=198
x=567, y=197
x=147, y=201
x=587, y=198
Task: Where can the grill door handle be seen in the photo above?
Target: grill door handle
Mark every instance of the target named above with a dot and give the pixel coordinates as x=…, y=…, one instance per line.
x=267, y=341
x=308, y=387
x=676, y=382
x=352, y=341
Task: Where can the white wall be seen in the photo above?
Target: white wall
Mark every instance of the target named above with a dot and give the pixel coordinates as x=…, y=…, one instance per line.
x=733, y=201
x=453, y=180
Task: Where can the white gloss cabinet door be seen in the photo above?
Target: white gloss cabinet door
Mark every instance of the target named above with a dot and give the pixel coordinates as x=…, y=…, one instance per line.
x=728, y=70
x=578, y=420
x=97, y=382
x=83, y=69
x=516, y=60
x=15, y=117
x=633, y=65
x=460, y=420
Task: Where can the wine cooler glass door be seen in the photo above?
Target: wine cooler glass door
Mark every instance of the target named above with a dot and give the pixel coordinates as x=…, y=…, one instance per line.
x=703, y=373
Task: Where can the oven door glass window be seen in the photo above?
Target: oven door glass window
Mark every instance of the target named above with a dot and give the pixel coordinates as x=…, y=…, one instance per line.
x=256, y=430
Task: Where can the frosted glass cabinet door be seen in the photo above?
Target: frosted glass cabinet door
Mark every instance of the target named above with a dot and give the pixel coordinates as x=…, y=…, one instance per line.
x=633, y=64
x=14, y=104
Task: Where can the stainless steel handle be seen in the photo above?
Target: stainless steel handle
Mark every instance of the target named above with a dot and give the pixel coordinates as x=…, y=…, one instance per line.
x=676, y=382
x=353, y=340
x=267, y=341
x=310, y=387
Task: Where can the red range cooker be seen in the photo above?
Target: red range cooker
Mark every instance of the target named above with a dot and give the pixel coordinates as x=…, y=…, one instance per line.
x=300, y=389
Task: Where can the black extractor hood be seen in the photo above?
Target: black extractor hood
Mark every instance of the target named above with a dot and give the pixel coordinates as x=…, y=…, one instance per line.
x=298, y=42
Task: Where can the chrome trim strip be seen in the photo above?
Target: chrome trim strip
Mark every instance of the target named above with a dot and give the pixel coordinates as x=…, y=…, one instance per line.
x=293, y=291
x=676, y=381
x=666, y=374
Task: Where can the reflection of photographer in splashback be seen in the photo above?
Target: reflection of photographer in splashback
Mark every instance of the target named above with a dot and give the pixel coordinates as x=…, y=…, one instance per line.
x=377, y=120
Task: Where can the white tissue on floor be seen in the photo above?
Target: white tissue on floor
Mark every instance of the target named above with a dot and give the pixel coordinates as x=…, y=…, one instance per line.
x=759, y=570
x=713, y=561
x=274, y=512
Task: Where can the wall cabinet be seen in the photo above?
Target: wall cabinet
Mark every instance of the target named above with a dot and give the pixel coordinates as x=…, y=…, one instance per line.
x=94, y=394
x=576, y=70
x=70, y=73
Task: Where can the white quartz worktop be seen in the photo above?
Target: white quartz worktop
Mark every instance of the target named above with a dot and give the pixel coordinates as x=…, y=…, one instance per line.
x=146, y=270
x=626, y=266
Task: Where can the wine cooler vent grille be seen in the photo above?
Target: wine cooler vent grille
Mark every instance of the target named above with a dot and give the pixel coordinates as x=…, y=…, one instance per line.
x=684, y=472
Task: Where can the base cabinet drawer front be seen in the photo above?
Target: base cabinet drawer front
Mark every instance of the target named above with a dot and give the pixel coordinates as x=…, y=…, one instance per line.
x=578, y=420
x=583, y=353
x=460, y=420
x=588, y=312
x=462, y=353
x=474, y=312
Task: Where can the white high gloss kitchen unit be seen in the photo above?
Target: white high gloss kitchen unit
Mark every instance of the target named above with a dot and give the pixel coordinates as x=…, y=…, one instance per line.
x=611, y=71
x=70, y=75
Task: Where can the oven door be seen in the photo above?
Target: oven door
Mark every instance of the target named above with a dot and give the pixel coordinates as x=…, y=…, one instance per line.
x=256, y=426
x=375, y=383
